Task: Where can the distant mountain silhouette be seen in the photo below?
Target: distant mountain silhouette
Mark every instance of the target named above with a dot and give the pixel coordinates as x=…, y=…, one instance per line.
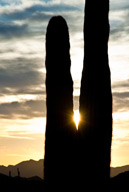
x=117, y=183
x=34, y=168
x=27, y=169
x=117, y=170
x=120, y=182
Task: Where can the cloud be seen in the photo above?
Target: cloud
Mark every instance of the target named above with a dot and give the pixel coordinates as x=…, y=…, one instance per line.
x=120, y=101
x=20, y=80
x=119, y=19
x=12, y=30
x=39, y=17
x=53, y=8
x=21, y=76
x=23, y=110
x=32, y=20
x=37, y=8
x=121, y=84
x=121, y=95
x=120, y=5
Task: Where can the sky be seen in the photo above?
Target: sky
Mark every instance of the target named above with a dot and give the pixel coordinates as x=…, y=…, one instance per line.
x=22, y=74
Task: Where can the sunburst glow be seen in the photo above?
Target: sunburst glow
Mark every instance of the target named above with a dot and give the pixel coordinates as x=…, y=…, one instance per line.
x=76, y=117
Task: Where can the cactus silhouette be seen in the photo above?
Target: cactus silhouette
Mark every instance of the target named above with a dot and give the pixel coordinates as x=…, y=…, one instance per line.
x=10, y=174
x=59, y=160
x=18, y=172
x=95, y=128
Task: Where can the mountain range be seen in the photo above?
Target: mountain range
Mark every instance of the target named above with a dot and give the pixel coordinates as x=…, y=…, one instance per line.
x=33, y=168
x=26, y=169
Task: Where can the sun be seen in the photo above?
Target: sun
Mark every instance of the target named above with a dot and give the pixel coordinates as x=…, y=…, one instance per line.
x=76, y=117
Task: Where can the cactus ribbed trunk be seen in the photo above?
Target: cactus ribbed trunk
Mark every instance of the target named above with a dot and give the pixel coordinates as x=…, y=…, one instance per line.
x=60, y=128
x=95, y=128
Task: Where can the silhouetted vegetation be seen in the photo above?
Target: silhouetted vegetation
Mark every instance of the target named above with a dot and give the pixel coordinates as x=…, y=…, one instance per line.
x=119, y=182
x=59, y=163
x=95, y=128
x=21, y=184
x=18, y=172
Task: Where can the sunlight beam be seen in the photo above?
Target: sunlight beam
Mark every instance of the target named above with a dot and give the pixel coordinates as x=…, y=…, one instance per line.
x=76, y=118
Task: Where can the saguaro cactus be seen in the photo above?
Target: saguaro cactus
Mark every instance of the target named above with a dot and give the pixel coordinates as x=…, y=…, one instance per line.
x=95, y=128
x=60, y=128
x=18, y=172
